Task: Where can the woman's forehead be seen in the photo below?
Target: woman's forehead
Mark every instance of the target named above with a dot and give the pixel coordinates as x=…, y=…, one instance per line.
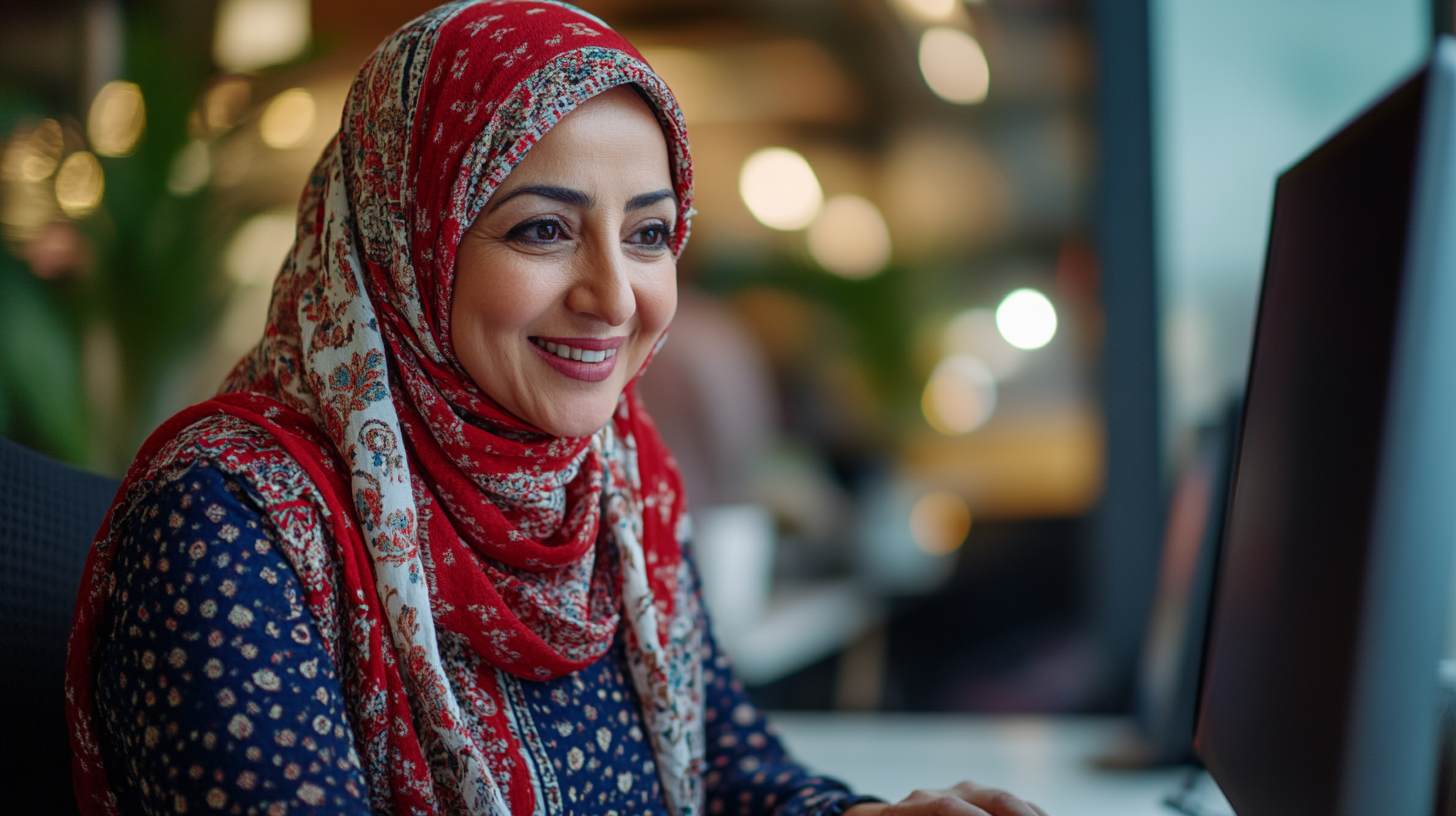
x=611, y=132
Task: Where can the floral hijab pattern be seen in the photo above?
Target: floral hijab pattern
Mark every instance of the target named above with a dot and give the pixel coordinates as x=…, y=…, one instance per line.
x=452, y=518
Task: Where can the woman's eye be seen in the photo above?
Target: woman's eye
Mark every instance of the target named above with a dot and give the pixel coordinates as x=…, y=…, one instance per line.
x=538, y=232
x=652, y=236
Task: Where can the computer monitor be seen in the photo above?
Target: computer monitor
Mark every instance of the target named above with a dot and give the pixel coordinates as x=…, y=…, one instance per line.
x=1319, y=691
x=1166, y=699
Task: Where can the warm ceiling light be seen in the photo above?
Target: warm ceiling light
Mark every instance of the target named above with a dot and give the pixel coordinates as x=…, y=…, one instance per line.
x=954, y=66
x=780, y=188
x=1027, y=319
x=939, y=523
x=288, y=119
x=253, y=34
x=960, y=396
x=79, y=184
x=928, y=10
x=117, y=117
x=849, y=237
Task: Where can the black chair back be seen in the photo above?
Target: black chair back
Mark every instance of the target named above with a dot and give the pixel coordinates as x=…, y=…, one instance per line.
x=49, y=513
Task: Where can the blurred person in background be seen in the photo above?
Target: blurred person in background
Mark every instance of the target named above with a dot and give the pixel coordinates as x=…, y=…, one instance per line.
x=426, y=551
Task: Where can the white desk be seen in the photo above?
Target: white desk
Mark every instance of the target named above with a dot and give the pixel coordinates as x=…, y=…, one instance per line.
x=1041, y=759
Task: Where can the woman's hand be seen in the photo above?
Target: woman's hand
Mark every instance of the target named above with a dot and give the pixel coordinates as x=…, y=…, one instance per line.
x=965, y=799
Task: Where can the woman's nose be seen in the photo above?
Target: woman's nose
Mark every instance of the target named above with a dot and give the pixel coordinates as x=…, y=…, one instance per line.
x=603, y=289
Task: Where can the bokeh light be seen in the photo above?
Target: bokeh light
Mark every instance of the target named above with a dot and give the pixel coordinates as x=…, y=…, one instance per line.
x=225, y=104
x=116, y=119
x=191, y=169
x=288, y=119
x=253, y=34
x=849, y=237
x=960, y=395
x=1027, y=319
x=974, y=332
x=27, y=199
x=79, y=184
x=928, y=10
x=954, y=66
x=33, y=156
x=256, y=251
x=940, y=522
x=779, y=187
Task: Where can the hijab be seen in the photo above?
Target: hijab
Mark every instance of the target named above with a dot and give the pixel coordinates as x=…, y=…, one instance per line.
x=452, y=524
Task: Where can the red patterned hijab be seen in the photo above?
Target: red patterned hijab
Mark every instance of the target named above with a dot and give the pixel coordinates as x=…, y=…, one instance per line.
x=451, y=520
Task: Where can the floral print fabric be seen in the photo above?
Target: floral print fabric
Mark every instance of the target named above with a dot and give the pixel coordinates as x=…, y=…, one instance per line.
x=377, y=435
x=217, y=694
x=215, y=689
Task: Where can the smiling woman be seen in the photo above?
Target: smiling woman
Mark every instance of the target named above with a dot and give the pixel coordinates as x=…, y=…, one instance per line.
x=565, y=283
x=425, y=554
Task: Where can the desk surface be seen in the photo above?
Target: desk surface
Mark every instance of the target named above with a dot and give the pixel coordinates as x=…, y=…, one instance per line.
x=1041, y=759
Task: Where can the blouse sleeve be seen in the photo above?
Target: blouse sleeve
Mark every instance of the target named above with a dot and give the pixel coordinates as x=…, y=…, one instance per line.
x=214, y=689
x=749, y=771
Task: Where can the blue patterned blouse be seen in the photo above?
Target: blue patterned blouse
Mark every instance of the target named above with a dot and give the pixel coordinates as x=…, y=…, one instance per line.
x=199, y=718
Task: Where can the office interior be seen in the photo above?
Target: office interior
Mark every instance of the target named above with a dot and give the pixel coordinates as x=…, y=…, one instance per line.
x=970, y=286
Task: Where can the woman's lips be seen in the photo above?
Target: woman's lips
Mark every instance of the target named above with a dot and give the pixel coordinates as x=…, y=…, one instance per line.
x=591, y=359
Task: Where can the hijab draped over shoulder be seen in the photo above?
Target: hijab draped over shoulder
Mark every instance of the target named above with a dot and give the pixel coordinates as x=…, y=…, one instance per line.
x=447, y=519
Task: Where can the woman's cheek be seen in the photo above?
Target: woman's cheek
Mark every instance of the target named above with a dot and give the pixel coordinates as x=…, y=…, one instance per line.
x=503, y=304
x=658, y=301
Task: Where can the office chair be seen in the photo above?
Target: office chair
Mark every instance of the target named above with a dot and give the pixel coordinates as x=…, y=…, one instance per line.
x=49, y=513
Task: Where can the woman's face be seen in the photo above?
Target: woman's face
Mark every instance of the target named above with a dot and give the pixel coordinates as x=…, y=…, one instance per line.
x=565, y=281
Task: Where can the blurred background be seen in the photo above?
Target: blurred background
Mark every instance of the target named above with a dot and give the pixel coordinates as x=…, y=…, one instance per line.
x=967, y=278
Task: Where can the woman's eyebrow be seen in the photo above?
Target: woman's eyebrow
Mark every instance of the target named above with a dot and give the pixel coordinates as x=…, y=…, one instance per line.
x=647, y=199
x=565, y=195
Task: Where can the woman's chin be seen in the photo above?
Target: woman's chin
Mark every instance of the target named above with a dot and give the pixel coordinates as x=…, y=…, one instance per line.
x=583, y=422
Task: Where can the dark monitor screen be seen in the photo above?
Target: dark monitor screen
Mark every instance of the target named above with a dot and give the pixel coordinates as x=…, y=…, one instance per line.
x=1166, y=697
x=1322, y=654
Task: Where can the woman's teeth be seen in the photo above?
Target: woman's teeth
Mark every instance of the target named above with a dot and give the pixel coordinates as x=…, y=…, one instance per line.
x=569, y=353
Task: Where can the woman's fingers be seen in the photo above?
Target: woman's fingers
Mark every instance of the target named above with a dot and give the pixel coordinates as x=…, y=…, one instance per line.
x=995, y=801
x=935, y=803
x=965, y=799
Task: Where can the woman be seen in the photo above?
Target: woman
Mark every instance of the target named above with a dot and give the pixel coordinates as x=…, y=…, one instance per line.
x=425, y=552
